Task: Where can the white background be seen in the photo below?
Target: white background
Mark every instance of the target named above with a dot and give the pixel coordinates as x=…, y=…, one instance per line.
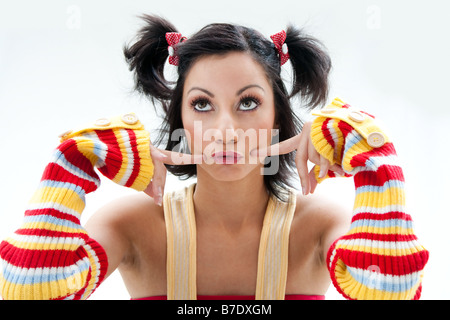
x=61, y=65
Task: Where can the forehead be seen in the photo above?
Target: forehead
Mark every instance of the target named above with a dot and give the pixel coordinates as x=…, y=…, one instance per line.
x=235, y=69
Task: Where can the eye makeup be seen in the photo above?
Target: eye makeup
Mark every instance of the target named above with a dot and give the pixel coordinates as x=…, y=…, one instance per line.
x=249, y=102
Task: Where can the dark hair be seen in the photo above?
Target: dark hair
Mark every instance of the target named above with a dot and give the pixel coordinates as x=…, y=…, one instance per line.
x=147, y=57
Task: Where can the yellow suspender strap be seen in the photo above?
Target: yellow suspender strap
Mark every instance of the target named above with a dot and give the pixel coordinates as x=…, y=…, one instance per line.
x=274, y=249
x=181, y=245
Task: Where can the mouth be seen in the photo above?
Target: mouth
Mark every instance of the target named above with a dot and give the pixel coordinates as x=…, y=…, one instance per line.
x=228, y=157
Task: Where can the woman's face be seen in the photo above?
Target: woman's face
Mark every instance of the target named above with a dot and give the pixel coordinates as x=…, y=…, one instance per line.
x=228, y=111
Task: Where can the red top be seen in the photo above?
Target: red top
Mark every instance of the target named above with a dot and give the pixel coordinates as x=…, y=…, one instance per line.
x=202, y=297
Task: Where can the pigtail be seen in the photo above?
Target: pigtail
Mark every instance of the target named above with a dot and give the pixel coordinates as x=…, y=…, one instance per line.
x=147, y=57
x=311, y=66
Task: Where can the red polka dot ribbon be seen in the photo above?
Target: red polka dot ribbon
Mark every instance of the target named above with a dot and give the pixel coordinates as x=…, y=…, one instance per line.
x=279, y=42
x=173, y=38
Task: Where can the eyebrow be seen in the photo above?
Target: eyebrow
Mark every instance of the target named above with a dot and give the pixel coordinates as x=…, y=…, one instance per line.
x=248, y=87
x=237, y=93
x=201, y=89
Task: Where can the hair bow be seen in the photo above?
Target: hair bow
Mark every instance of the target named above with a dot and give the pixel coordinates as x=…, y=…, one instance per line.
x=279, y=42
x=173, y=38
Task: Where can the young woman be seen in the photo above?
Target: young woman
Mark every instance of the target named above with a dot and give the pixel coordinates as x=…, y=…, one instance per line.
x=241, y=231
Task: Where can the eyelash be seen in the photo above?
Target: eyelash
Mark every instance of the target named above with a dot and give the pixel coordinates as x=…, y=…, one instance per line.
x=198, y=100
x=252, y=98
x=245, y=98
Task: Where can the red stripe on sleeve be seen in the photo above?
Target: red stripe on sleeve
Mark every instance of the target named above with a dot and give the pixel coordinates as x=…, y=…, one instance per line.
x=327, y=133
x=392, y=265
x=55, y=172
x=114, y=157
x=137, y=162
x=71, y=152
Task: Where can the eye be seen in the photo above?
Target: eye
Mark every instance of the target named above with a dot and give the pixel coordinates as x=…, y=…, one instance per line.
x=201, y=105
x=248, y=104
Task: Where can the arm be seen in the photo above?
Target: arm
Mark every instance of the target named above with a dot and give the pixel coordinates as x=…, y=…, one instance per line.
x=380, y=256
x=51, y=256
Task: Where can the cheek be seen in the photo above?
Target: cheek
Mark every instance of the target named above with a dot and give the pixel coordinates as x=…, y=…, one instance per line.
x=193, y=130
x=266, y=128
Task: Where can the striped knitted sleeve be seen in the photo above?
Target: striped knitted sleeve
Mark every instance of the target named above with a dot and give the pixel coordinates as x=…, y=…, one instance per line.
x=51, y=256
x=380, y=256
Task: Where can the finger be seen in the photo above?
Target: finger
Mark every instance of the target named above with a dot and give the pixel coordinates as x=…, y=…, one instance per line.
x=156, y=187
x=312, y=180
x=286, y=146
x=324, y=166
x=301, y=162
x=313, y=155
x=282, y=147
x=158, y=181
x=177, y=158
x=337, y=168
x=149, y=190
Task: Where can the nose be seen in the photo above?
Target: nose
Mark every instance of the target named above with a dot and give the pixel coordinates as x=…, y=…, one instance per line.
x=226, y=129
x=227, y=136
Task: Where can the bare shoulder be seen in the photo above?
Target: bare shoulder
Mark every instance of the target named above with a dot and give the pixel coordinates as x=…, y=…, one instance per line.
x=321, y=211
x=127, y=212
x=122, y=224
x=323, y=219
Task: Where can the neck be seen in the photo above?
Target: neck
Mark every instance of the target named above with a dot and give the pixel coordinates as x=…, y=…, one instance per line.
x=230, y=204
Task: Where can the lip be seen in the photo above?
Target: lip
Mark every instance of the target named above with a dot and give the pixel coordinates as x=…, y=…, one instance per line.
x=227, y=157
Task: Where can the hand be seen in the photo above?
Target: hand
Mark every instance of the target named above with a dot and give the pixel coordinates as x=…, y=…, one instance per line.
x=155, y=189
x=305, y=152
